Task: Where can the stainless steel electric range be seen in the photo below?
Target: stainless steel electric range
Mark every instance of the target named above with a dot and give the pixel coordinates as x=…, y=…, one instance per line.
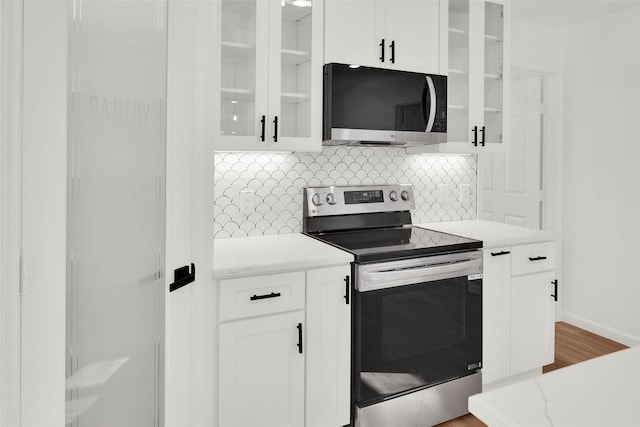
x=417, y=306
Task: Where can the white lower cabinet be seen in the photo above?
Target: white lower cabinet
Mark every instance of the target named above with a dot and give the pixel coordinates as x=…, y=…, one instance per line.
x=287, y=363
x=518, y=310
x=262, y=372
x=532, y=321
x=496, y=282
x=328, y=347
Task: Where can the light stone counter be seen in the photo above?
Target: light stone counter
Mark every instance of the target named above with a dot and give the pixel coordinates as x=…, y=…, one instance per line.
x=599, y=392
x=492, y=234
x=244, y=256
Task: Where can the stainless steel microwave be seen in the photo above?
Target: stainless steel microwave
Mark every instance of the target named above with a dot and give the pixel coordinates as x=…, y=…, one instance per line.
x=375, y=106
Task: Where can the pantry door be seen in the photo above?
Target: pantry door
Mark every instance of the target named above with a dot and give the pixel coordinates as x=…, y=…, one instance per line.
x=115, y=197
x=511, y=187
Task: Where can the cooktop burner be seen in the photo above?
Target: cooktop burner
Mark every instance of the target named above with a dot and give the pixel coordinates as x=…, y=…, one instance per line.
x=396, y=242
x=374, y=223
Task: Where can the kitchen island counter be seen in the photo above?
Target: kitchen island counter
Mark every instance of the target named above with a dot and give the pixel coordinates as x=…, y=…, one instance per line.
x=599, y=392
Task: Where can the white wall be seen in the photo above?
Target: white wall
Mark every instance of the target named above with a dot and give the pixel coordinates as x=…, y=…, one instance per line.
x=601, y=195
x=535, y=45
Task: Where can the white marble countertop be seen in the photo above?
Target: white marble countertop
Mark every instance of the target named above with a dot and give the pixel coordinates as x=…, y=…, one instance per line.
x=604, y=391
x=243, y=256
x=492, y=234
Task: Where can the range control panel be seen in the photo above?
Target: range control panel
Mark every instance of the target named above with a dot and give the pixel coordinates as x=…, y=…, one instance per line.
x=342, y=200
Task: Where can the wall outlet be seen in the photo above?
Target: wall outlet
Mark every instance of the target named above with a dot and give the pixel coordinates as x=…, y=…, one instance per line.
x=444, y=194
x=247, y=201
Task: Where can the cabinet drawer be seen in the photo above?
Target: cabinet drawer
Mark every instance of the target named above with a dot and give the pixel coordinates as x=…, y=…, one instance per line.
x=533, y=258
x=258, y=295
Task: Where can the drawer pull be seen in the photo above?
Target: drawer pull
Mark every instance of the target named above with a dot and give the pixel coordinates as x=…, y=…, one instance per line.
x=271, y=295
x=538, y=258
x=500, y=253
x=347, y=289
x=555, y=290
x=299, y=338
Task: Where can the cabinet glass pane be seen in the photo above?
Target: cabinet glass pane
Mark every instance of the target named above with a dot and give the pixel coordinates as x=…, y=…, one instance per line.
x=493, y=68
x=238, y=68
x=295, y=97
x=116, y=221
x=458, y=109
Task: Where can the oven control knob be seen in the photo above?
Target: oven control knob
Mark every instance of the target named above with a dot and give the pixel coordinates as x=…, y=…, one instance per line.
x=393, y=196
x=316, y=200
x=404, y=195
x=331, y=199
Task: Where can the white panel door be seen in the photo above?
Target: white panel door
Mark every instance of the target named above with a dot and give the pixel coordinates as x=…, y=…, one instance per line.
x=532, y=321
x=496, y=300
x=262, y=372
x=511, y=187
x=329, y=345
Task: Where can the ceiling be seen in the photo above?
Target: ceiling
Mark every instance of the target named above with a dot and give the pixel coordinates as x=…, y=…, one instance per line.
x=560, y=13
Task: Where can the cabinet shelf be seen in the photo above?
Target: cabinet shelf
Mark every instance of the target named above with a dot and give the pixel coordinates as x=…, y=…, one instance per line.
x=454, y=108
x=491, y=76
x=239, y=52
x=458, y=37
x=237, y=94
x=492, y=110
x=457, y=73
x=489, y=38
x=293, y=98
x=291, y=56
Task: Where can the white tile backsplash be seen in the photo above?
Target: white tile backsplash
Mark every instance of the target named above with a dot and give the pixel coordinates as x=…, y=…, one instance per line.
x=278, y=179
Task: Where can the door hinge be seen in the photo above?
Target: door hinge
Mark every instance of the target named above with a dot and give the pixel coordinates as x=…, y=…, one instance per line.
x=24, y=274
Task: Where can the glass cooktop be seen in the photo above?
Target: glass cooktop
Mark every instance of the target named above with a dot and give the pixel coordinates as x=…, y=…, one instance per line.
x=380, y=244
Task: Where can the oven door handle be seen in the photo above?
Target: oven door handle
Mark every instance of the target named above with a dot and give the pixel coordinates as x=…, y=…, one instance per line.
x=374, y=280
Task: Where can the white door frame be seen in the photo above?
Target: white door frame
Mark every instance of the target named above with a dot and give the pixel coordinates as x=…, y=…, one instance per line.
x=552, y=155
x=10, y=208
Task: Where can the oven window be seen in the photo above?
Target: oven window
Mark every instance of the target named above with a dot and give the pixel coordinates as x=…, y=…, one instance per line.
x=413, y=336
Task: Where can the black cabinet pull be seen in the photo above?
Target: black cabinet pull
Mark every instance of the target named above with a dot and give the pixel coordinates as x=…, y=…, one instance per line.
x=538, y=258
x=263, y=123
x=555, y=290
x=275, y=129
x=299, y=338
x=182, y=277
x=500, y=253
x=271, y=295
x=393, y=51
x=475, y=136
x=347, y=289
x=482, y=135
x=382, y=51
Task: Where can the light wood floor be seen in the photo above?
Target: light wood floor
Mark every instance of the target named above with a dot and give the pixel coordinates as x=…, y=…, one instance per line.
x=573, y=345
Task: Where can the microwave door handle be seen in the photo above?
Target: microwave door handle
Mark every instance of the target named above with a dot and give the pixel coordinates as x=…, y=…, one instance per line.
x=432, y=103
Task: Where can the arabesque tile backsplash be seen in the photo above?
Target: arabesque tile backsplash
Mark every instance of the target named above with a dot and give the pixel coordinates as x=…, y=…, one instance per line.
x=278, y=180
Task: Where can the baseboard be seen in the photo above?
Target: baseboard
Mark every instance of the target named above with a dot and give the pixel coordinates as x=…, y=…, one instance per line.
x=600, y=329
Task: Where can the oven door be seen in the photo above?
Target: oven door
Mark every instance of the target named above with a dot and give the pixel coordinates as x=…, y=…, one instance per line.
x=418, y=323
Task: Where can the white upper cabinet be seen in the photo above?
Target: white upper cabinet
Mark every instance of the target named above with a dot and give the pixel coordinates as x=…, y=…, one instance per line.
x=397, y=34
x=269, y=96
x=479, y=78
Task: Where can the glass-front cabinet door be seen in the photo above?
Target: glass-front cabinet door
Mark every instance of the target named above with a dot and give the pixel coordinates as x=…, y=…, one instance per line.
x=479, y=73
x=270, y=91
x=459, y=72
x=496, y=76
x=243, y=78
